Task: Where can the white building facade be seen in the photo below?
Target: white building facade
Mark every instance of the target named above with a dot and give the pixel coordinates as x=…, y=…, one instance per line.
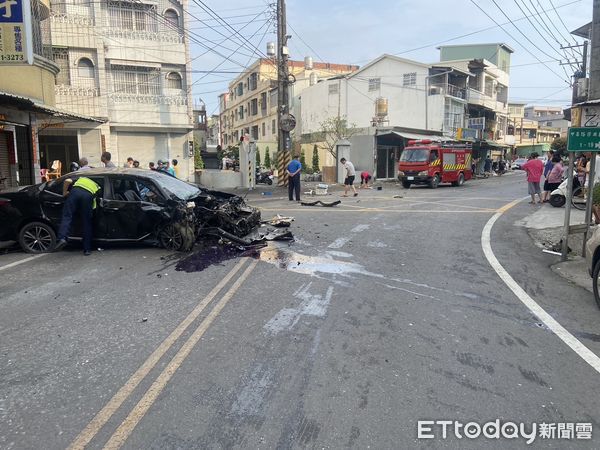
x=124, y=62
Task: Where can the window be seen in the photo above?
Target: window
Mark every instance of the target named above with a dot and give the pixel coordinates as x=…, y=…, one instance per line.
x=85, y=68
x=333, y=89
x=273, y=127
x=172, y=19
x=374, y=84
x=240, y=89
x=489, y=87
x=254, y=133
x=263, y=101
x=264, y=129
x=409, y=79
x=253, y=81
x=174, y=81
x=273, y=98
x=254, y=106
x=241, y=112
x=132, y=16
x=136, y=80
x=61, y=58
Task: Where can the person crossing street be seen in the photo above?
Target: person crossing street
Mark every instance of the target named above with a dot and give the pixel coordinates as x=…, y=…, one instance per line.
x=350, y=175
x=81, y=199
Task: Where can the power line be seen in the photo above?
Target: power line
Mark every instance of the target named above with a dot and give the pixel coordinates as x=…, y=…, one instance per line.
x=512, y=37
x=563, y=23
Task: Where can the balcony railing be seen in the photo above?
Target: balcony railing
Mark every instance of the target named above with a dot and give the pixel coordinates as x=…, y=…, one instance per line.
x=448, y=89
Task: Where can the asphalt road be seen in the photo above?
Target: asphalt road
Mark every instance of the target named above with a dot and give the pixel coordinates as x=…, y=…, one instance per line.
x=384, y=312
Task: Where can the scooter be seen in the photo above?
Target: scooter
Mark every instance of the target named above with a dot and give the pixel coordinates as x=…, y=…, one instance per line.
x=558, y=197
x=265, y=177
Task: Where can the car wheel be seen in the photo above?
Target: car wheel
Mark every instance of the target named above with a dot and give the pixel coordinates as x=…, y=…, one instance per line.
x=557, y=200
x=435, y=181
x=595, y=281
x=460, y=181
x=37, y=237
x=406, y=184
x=578, y=200
x=176, y=237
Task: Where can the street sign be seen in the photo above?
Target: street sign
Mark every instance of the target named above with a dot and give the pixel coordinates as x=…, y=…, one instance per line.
x=287, y=122
x=16, y=44
x=584, y=139
x=590, y=116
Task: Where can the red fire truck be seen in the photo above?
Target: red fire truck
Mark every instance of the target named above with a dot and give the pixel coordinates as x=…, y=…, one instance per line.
x=429, y=162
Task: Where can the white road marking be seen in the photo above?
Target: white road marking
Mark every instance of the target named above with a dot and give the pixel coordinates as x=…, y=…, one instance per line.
x=360, y=228
x=312, y=305
x=339, y=242
x=584, y=353
x=16, y=263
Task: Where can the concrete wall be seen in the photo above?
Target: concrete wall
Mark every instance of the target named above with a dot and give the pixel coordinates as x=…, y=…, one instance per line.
x=219, y=179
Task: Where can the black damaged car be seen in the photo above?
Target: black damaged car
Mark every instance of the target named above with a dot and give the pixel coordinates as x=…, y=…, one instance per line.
x=134, y=205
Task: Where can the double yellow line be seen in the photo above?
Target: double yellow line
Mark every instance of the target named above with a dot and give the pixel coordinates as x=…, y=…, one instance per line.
x=125, y=429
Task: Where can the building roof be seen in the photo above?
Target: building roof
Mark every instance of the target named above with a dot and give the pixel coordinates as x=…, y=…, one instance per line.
x=386, y=56
x=501, y=44
x=27, y=104
x=584, y=31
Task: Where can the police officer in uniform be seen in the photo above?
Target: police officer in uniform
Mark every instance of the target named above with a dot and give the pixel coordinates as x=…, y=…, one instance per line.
x=82, y=199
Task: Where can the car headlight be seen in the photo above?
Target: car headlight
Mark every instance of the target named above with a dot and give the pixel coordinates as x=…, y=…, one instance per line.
x=400, y=173
x=423, y=173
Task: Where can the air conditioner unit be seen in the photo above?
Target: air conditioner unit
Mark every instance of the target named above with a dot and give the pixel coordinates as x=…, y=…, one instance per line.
x=435, y=90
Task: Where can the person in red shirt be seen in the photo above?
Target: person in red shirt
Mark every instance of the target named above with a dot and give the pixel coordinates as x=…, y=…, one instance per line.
x=534, y=168
x=365, y=177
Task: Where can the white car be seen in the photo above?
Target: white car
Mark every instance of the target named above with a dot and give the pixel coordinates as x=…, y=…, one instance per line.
x=518, y=163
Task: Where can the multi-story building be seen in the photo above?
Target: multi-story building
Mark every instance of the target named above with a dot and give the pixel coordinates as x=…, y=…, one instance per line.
x=488, y=87
x=528, y=133
x=27, y=98
x=549, y=116
x=250, y=106
x=127, y=63
x=387, y=102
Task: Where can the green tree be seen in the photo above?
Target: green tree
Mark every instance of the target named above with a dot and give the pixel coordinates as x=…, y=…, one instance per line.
x=303, y=161
x=335, y=129
x=315, y=158
x=198, y=161
x=257, y=157
x=559, y=145
x=267, y=158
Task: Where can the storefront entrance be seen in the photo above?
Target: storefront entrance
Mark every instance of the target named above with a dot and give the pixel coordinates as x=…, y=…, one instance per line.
x=58, y=148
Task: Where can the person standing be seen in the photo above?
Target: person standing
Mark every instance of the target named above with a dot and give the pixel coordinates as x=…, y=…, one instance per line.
x=169, y=169
x=175, y=168
x=547, y=169
x=82, y=199
x=151, y=165
x=105, y=158
x=84, y=164
x=350, y=175
x=555, y=176
x=293, y=170
x=129, y=163
x=534, y=168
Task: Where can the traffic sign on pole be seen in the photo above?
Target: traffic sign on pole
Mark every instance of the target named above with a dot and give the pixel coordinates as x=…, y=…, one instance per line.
x=583, y=139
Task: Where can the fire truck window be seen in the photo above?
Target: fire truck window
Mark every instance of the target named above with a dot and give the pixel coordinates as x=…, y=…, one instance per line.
x=449, y=158
x=433, y=156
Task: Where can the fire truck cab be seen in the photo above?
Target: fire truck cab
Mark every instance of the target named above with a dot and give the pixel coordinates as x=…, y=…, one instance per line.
x=431, y=163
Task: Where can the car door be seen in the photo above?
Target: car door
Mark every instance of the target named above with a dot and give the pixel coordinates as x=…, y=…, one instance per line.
x=52, y=203
x=128, y=216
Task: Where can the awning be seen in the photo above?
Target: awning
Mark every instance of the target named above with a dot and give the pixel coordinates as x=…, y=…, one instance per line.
x=414, y=136
x=27, y=104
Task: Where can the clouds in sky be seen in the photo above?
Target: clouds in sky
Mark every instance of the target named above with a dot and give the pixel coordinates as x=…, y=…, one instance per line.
x=354, y=31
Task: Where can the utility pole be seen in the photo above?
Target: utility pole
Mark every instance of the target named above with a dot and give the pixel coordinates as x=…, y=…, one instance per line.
x=283, y=101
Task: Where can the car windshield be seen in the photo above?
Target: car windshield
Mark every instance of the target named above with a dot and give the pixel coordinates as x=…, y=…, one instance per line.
x=415, y=155
x=178, y=188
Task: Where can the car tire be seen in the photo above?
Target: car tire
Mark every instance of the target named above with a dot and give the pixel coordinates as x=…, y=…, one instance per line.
x=460, y=181
x=595, y=281
x=557, y=200
x=176, y=237
x=406, y=184
x=37, y=237
x=435, y=181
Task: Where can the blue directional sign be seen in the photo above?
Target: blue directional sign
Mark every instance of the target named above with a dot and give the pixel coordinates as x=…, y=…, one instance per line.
x=11, y=11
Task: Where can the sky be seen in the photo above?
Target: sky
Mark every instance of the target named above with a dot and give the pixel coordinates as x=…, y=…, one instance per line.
x=228, y=36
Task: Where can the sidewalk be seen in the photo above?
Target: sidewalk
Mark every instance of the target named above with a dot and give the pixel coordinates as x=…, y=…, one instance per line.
x=545, y=227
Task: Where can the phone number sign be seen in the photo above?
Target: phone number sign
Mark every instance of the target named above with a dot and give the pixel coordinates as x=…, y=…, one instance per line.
x=14, y=17
x=584, y=139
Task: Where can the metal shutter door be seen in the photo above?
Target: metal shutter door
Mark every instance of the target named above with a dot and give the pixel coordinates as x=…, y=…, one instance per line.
x=4, y=166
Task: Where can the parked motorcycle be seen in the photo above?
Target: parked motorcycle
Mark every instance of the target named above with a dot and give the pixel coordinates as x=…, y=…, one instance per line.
x=264, y=177
x=558, y=197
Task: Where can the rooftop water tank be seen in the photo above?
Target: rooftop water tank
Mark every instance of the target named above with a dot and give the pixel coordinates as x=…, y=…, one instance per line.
x=270, y=48
x=308, y=63
x=381, y=107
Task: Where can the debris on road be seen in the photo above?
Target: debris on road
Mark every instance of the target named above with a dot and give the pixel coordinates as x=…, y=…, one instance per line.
x=279, y=221
x=321, y=203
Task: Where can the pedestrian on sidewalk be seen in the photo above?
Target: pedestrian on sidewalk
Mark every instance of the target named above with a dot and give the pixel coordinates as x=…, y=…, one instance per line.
x=547, y=169
x=293, y=170
x=555, y=176
x=350, y=175
x=534, y=168
x=81, y=199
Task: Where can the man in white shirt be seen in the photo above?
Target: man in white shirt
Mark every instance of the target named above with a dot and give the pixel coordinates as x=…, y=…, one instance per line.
x=350, y=175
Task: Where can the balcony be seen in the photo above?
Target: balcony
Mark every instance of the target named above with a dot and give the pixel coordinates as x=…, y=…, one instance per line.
x=80, y=100
x=148, y=109
x=448, y=89
x=479, y=98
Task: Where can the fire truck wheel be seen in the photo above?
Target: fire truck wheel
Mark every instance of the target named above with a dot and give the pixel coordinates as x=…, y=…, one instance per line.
x=435, y=181
x=460, y=181
x=406, y=185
